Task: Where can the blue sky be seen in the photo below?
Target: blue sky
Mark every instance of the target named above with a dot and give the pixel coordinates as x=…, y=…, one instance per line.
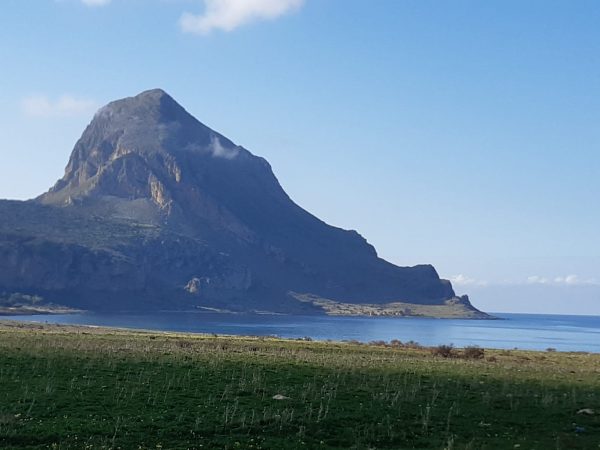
x=459, y=133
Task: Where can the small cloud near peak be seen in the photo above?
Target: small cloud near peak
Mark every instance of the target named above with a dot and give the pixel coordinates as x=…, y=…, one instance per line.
x=65, y=105
x=219, y=151
x=95, y=2
x=227, y=15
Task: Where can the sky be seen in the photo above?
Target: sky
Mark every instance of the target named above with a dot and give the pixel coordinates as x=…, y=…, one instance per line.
x=460, y=133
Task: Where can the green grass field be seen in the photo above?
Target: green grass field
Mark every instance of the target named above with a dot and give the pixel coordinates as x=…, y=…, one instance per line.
x=88, y=388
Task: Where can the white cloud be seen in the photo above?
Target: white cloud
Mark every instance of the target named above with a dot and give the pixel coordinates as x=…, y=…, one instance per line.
x=532, y=280
x=219, y=151
x=95, y=2
x=227, y=15
x=566, y=280
x=574, y=280
x=463, y=280
x=65, y=105
x=535, y=279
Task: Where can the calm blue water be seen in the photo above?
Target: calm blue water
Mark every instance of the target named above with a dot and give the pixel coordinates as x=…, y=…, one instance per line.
x=524, y=331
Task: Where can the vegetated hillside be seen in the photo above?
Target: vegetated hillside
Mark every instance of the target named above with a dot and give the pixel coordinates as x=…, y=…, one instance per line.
x=157, y=210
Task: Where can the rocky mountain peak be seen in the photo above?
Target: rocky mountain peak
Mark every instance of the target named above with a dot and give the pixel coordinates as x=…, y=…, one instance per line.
x=155, y=106
x=139, y=148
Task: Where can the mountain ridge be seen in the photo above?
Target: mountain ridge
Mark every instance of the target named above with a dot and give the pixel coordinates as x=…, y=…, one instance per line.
x=144, y=163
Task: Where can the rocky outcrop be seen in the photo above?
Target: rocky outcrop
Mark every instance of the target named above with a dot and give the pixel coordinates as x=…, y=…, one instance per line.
x=157, y=210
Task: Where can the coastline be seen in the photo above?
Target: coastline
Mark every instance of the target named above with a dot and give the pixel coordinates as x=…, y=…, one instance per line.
x=391, y=310
x=7, y=323
x=8, y=311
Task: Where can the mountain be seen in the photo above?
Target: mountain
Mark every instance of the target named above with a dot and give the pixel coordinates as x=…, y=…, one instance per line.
x=156, y=210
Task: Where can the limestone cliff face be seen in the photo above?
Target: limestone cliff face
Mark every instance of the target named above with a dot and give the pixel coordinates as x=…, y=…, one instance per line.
x=193, y=218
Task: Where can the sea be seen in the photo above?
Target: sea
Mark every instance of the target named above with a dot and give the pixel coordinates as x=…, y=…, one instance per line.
x=510, y=331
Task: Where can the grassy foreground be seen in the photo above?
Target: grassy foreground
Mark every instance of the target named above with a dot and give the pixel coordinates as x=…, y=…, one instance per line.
x=74, y=387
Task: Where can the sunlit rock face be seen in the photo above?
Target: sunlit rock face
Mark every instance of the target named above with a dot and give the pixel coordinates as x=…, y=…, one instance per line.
x=156, y=209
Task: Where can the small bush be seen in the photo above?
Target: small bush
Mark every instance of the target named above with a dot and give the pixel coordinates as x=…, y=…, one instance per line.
x=474, y=352
x=445, y=351
x=378, y=343
x=396, y=343
x=412, y=344
x=550, y=349
x=184, y=344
